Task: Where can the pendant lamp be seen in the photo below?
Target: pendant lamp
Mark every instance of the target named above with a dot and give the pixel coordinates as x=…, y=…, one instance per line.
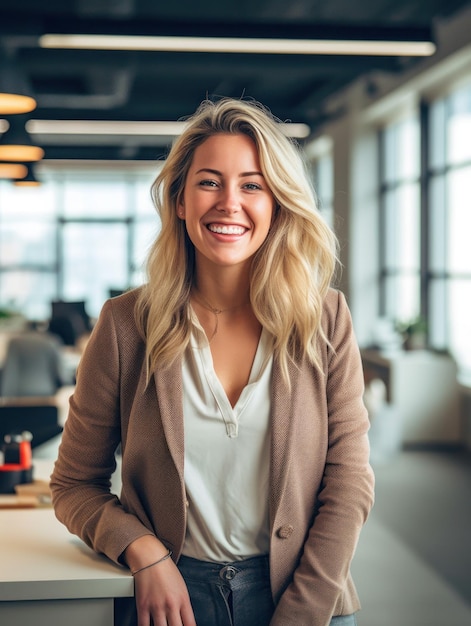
x=15, y=93
x=29, y=180
x=16, y=144
x=11, y=171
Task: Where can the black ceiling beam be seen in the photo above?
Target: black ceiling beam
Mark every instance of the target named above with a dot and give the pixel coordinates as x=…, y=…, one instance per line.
x=23, y=25
x=200, y=62
x=104, y=153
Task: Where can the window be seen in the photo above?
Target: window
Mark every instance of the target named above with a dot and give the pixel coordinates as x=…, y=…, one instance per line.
x=324, y=185
x=94, y=259
x=400, y=220
x=144, y=230
x=449, y=176
x=77, y=237
x=441, y=271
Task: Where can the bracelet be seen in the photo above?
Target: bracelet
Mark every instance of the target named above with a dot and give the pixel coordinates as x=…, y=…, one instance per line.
x=164, y=558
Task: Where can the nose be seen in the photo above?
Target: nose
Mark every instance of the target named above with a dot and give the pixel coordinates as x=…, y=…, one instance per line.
x=228, y=200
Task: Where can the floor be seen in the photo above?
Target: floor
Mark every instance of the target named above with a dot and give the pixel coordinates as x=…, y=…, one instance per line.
x=413, y=562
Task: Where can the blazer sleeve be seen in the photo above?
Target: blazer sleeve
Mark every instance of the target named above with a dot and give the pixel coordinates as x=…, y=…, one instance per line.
x=81, y=480
x=321, y=582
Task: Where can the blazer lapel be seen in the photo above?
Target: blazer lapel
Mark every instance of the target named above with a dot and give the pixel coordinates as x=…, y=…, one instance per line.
x=281, y=434
x=169, y=389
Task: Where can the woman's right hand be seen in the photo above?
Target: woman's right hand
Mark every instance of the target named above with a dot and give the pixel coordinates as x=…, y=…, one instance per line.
x=162, y=597
x=161, y=594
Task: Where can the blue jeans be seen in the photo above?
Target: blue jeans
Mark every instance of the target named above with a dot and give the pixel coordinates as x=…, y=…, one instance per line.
x=235, y=594
x=344, y=620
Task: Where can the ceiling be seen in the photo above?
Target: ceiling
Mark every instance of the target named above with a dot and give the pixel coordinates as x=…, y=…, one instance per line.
x=147, y=86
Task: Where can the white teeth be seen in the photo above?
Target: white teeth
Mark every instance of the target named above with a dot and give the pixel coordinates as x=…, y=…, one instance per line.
x=226, y=230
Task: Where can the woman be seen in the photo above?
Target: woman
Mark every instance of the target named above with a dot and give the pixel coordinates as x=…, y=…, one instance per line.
x=232, y=381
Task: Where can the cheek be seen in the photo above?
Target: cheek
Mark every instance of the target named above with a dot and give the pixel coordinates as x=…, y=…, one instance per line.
x=267, y=215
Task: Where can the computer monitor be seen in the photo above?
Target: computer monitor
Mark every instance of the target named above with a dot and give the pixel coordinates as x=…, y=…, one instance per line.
x=71, y=309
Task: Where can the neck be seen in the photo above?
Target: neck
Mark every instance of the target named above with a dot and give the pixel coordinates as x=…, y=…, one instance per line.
x=224, y=289
x=217, y=310
x=213, y=295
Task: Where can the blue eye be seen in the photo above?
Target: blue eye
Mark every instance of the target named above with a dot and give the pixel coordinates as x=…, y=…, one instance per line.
x=252, y=186
x=208, y=183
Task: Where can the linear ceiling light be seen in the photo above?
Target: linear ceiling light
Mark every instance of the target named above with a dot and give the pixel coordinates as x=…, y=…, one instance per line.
x=132, y=128
x=239, y=45
x=103, y=127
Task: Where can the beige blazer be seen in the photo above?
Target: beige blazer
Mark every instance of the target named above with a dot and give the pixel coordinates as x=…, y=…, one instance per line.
x=321, y=484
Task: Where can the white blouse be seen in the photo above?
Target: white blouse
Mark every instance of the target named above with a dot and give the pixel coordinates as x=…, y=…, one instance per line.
x=227, y=456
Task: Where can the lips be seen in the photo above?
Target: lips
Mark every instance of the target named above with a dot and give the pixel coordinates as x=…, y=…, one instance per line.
x=226, y=229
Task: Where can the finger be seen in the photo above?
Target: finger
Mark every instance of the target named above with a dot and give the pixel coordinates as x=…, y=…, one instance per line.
x=160, y=619
x=143, y=618
x=187, y=616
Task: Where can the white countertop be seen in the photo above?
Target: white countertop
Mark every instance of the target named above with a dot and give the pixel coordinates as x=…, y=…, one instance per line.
x=41, y=560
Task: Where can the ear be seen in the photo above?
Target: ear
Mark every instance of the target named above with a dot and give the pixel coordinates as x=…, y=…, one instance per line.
x=181, y=210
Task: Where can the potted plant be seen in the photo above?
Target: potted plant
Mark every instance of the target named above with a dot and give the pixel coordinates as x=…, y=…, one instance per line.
x=413, y=332
x=10, y=320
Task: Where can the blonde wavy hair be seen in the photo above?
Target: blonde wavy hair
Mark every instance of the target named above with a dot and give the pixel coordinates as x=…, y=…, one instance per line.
x=290, y=273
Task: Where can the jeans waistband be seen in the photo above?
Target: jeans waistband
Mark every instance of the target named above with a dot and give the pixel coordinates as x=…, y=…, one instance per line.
x=247, y=569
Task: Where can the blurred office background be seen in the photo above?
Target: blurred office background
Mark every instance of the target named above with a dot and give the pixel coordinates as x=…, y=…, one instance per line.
x=387, y=135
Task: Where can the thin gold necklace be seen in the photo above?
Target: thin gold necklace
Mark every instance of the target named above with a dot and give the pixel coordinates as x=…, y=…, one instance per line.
x=214, y=310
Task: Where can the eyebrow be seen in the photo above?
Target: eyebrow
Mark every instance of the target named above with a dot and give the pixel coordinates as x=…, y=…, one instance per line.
x=218, y=173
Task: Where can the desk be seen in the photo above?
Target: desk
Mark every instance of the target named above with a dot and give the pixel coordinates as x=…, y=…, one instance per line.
x=48, y=576
x=422, y=388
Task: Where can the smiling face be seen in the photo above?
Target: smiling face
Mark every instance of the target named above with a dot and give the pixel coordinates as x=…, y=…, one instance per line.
x=226, y=202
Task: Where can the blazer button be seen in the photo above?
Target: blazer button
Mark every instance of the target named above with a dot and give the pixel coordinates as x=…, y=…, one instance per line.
x=285, y=531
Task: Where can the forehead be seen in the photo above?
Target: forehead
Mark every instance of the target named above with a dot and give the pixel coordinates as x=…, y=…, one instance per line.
x=235, y=148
